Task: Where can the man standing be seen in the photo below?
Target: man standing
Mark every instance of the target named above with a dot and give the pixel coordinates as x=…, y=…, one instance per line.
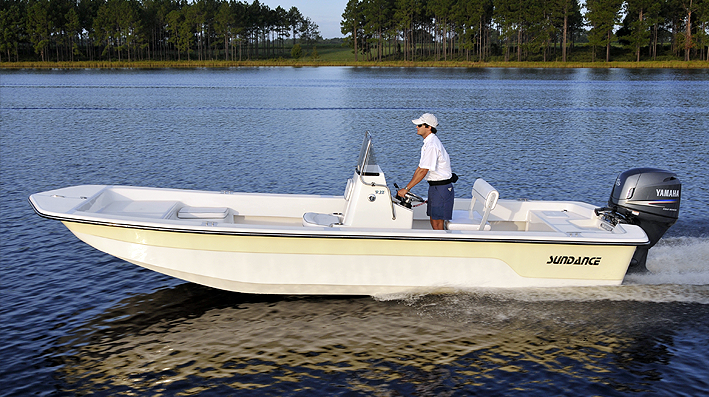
x=435, y=167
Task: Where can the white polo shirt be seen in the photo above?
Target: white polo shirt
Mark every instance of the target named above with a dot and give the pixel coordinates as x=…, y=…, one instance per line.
x=435, y=159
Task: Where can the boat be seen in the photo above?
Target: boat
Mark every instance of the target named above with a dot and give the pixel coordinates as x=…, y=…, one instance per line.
x=367, y=241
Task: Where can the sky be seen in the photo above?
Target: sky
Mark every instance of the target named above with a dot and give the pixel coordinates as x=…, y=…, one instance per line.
x=326, y=13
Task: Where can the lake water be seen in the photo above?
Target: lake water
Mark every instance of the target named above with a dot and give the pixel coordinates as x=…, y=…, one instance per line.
x=77, y=321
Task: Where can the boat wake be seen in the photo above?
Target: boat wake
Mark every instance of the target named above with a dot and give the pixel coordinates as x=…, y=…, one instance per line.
x=676, y=260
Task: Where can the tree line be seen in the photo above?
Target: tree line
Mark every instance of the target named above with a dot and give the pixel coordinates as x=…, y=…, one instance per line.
x=69, y=30
x=522, y=30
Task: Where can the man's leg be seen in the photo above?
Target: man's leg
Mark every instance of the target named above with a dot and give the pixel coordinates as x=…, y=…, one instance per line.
x=437, y=224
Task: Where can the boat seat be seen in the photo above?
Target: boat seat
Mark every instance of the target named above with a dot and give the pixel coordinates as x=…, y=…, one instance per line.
x=475, y=218
x=314, y=219
x=202, y=213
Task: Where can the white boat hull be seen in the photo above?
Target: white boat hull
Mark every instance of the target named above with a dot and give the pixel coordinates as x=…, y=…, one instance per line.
x=359, y=266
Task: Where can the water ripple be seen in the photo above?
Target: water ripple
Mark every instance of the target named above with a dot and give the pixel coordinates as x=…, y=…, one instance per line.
x=77, y=321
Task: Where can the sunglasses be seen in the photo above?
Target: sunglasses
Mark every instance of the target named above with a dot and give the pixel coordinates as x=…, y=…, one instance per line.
x=420, y=125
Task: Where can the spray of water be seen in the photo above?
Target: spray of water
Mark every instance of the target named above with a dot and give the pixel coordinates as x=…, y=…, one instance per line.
x=676, y=260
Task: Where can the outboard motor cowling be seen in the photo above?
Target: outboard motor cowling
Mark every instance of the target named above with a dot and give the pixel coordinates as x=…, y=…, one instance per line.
x=649, y=198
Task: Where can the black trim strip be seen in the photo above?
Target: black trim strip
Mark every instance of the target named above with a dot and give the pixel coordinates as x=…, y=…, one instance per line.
x=367, y=173
x=353, y=237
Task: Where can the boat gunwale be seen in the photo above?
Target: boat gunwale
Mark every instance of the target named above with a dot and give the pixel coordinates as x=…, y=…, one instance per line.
x=448, y=237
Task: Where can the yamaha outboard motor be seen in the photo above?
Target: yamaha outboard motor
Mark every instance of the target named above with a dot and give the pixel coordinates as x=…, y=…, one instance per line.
x=649, y=198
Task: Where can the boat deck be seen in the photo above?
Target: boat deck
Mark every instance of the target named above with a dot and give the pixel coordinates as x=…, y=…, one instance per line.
x=541, y=220
x=228, y=210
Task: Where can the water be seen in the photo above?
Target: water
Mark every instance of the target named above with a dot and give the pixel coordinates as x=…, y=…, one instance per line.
x=77, y=321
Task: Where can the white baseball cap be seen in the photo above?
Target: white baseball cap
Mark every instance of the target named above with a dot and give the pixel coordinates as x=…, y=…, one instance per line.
x=427, y=118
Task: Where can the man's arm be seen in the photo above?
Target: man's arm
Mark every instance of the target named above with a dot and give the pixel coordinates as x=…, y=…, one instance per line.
x=419, y=174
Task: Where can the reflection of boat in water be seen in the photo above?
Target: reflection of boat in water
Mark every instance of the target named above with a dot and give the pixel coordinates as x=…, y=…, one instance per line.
x=367, y=242
x=191, y=338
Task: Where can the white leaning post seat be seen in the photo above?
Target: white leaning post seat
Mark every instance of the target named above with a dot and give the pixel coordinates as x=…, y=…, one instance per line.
x=484, y=200
x=314, y=219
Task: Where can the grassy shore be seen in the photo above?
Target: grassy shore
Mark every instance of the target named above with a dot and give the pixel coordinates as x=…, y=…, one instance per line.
x=337, y=55
x=333, y=53
x=324, y=62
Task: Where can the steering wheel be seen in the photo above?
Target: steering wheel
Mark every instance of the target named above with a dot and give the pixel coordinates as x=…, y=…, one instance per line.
x=408, y=198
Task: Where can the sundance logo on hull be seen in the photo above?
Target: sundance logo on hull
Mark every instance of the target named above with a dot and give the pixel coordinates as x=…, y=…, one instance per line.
x=575, y=260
